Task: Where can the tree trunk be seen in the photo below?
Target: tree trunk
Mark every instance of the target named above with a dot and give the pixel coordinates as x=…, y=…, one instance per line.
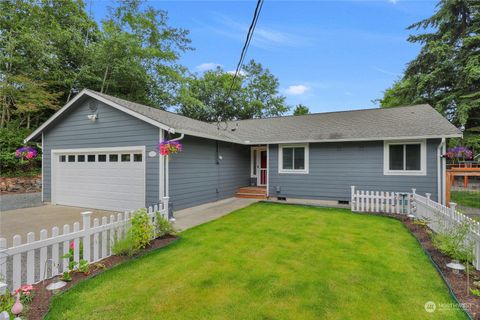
x=104, y=79
x=28, y=121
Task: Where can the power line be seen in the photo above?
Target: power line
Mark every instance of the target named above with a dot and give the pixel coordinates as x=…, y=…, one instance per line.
x=251, y=29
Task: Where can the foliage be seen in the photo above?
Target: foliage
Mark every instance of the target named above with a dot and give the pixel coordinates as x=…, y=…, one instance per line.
x=83, y=267
x=446, y=72
x=26, y=293
x=475, y=292
x=259, y=256
x=466, y=198
x=66, y=276
x=141, y=230
x=80, y=266
x=6, y=303
x=214, y=96
x=300, y=109
x=163, y=227
x=125, y=247
x=11, y=138
x=26, y=153
x=455, y=242
x=167, y=147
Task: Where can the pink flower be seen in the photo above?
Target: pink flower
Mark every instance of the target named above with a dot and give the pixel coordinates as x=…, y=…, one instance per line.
x=72, y=245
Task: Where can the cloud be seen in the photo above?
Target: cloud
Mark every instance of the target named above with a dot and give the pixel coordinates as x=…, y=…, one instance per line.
x=263, y=37
x=240, y=73
x=393, y=1
x=297, y=89
x=207, y=66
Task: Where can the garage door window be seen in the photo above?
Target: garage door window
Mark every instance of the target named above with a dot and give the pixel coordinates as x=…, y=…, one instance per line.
x=62, y=158
x=91, y=158
x=81, y=158
x=125, y=157
x=113, y=157
x=137, y=157
x=102, y=158
x=71, y=158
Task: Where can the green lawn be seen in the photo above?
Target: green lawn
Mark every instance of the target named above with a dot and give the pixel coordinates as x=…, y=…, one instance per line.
x=271, y=261
x=466, y=198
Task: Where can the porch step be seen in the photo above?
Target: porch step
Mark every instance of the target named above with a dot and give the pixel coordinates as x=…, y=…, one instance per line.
x=251, y=195
x=253, y=190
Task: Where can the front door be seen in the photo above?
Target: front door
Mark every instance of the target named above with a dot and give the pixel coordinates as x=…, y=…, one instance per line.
x=259, y=165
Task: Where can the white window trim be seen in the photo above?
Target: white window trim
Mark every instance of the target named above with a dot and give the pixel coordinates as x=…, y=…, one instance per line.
x=257, y=149
x=423, y=159
x=293, y=171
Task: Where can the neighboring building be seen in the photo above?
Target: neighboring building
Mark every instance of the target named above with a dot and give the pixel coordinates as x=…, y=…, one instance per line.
x=101, y=152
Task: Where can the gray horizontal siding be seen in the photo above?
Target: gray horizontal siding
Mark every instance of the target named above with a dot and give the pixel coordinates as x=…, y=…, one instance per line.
x=334, y=167
x=196, y=178
x=113, y=128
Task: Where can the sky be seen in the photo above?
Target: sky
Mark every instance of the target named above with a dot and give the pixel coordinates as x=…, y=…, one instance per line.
x=327, y=55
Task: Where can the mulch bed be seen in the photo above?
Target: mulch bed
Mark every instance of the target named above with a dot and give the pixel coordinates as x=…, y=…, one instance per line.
x=457, y=282
x=41, y=301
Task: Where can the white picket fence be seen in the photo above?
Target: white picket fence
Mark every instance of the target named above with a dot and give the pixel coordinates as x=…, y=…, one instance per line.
x=380, y=201
x=440, y=218
x=42, y=258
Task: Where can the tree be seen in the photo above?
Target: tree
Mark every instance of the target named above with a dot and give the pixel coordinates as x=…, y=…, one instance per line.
x=300, y=109
x=446, y=72
x=214, y=96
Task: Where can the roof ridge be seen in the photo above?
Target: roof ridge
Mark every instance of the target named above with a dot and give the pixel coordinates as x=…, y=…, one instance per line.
x=339, y=111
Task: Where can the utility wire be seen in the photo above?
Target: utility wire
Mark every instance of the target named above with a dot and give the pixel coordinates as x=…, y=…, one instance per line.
x=246, y=45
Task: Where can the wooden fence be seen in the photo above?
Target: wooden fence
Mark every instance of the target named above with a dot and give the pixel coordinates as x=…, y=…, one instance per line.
x=35, y=260
x=380, y=201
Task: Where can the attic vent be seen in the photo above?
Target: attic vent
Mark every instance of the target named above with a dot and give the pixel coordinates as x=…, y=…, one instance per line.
x=93, y=106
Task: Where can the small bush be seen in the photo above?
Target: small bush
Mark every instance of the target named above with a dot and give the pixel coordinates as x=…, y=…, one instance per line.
x=141, y=231
x=163, y=227
x=125, y=247
x=455, y=243
x=6, y=303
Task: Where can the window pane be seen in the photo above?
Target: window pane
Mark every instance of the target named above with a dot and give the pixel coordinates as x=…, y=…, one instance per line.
x=287, y=158
x=396, y=157
x=254, y=162
x=137, y=157
x=113, y=157
x=81, y=158
x=62, y=158
x=102, y=158
x=413, y=157
x=91, y=158
x=299, y=156
x=125, y=157
x=71, y=158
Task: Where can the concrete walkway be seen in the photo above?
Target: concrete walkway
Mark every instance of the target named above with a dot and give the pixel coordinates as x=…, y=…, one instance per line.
x=194, y=216
x=20, y=200
x=22, y=221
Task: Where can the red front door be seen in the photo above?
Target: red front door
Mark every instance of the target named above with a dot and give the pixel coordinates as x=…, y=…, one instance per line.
x=262, y=178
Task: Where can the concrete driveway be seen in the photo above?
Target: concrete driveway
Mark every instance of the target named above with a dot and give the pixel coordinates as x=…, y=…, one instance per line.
x=22, y=221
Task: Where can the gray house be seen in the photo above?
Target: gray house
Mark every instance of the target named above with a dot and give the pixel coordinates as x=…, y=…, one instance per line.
x=101, y=152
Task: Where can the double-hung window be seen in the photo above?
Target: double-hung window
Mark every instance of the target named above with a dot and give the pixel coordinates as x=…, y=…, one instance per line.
x=405, y=158
x=293, y=158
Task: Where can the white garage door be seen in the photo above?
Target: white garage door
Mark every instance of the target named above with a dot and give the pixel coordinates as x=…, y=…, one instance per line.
x=108, y=179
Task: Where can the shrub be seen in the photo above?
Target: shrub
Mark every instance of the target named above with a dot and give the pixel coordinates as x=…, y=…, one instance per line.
x=11, y=138
x=162, y=226
x=455, y=242
x=6, y=303
x=125, y=247
x=141, y=231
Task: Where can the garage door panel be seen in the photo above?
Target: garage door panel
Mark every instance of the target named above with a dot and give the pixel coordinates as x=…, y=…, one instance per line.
x=117, y=185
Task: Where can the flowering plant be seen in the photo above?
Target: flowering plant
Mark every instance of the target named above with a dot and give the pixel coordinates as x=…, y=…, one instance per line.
x=460, y=153
x=26, y=293
x=167, y=147
x=26, y=153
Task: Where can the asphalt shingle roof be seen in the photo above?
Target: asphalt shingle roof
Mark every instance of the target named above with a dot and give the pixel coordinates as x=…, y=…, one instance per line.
x=418, y=121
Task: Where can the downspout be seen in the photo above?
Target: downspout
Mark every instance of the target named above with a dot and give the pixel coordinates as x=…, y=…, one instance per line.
x=440, y=175
x=167, y=193
x=444, y=173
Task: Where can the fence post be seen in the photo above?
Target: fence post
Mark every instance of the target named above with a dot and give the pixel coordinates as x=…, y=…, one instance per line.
x=412, y=206
x=3, y=262
x=165, y=201
x=86, y=238
x=352, y=199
